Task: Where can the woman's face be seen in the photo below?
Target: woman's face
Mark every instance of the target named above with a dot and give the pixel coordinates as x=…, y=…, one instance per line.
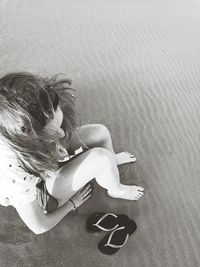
x=53, y=126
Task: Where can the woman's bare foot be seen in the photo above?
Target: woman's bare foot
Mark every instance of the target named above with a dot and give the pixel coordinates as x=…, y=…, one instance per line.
x=124, y=157
x=129, y=192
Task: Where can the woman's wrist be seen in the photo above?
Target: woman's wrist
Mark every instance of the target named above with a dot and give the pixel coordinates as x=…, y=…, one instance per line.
x=73, y=204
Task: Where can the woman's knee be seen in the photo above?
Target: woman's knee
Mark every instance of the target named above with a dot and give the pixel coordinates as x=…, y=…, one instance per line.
x=101, y=132
x=102, y=155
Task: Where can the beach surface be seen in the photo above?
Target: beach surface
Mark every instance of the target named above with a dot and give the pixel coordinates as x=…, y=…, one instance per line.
x=135, y=65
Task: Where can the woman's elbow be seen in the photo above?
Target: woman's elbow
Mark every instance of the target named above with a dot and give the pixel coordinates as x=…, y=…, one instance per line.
x=39, y=232
x=38, y=229
x=34, y=218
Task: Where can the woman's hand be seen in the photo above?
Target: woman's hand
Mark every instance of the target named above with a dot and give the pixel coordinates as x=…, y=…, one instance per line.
x=81, y=196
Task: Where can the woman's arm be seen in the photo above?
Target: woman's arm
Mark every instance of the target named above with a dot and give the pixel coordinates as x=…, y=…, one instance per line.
x=40, y=222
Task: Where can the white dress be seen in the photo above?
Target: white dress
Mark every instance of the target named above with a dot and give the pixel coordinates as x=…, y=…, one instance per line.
x=16, y=185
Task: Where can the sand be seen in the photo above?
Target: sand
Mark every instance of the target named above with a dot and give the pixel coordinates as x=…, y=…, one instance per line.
x=135, y=65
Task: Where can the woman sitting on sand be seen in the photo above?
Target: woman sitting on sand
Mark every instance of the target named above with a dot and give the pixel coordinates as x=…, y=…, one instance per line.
x=38, y=176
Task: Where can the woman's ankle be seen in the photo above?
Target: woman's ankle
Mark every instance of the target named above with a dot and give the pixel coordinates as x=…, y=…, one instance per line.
x=115, y=191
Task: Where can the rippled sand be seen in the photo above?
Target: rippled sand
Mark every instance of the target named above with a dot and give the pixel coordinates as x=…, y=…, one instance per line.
x=136, y=66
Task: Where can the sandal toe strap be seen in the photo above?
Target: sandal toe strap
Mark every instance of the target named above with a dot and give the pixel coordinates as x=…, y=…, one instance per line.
x=110, y=237
x=97, y=224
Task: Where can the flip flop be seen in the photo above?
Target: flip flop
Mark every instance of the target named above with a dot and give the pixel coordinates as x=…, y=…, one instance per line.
x=117, y=239
x=105, y=222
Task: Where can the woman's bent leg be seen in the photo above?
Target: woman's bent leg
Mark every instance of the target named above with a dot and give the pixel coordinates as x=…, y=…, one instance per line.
x=95, y=163
x=97, y=135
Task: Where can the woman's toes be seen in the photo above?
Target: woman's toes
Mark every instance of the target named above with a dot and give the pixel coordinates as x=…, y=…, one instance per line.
x=125, y=157
x=139, y=195
x=129, y=154
x=137, y=198
x=140, y=188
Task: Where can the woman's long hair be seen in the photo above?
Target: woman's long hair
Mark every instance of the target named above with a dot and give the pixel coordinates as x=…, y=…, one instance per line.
x=27, y=102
